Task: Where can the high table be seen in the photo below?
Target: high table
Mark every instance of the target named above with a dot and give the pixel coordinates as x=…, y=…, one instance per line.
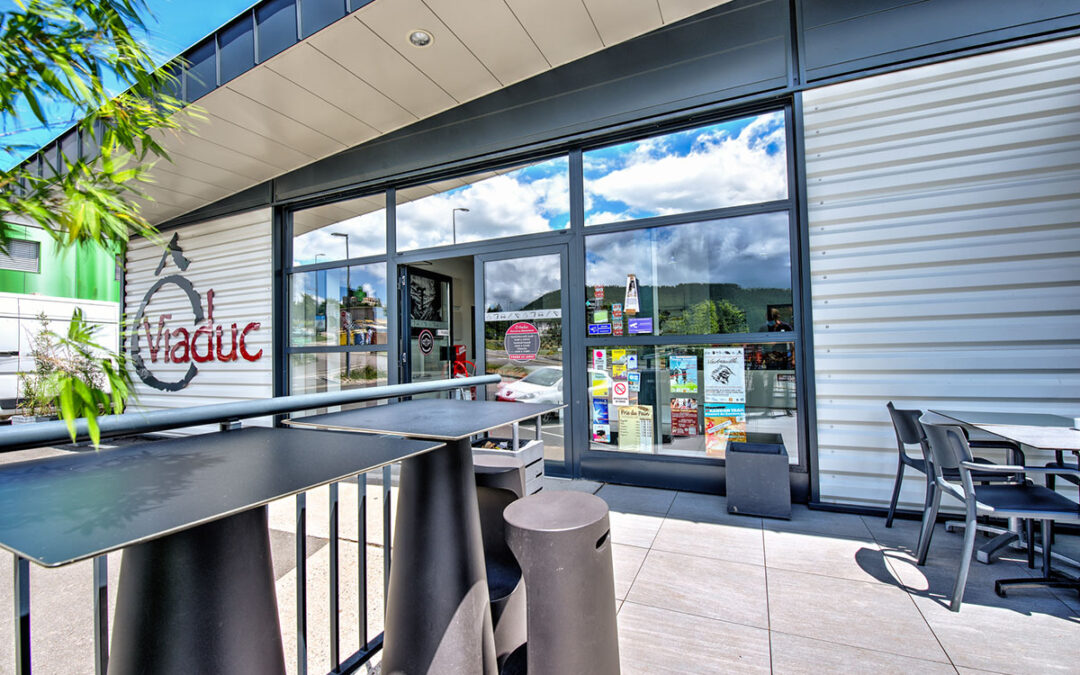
x=1037, y=430
x=437, y=613
x=196, y=591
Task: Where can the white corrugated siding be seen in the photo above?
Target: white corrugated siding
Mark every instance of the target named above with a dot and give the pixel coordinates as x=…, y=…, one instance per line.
x=944, y=221
x=232, y=256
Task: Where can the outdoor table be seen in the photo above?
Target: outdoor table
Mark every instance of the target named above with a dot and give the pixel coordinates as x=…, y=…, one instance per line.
x=196, y=591
x=1037, y=430
x=437, y=613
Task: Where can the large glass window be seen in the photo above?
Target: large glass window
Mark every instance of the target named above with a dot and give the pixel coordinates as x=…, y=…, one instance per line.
x=351, y=229
x=732, y=163
x=340, y=306
x=692, y=400
x=703, y=278
x=520, y=200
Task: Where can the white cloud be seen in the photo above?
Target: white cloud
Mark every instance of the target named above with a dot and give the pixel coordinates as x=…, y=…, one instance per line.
x=510, y=284
x=367, y=236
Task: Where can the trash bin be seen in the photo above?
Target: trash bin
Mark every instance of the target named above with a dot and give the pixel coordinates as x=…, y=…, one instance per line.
x=500, y=480
x=562, y=541
x=757, y=480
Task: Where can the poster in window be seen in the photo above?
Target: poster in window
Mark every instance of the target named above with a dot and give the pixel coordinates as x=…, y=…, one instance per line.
x=723, y=424
x=633, y=378
x=618, y=363
x=684, y=414
x=636, y=428
x=683, y=370
x=630, y=302
x=599, y=386
x=631, y=359
x=599, y=359
x=725, y=375
x=601, y=430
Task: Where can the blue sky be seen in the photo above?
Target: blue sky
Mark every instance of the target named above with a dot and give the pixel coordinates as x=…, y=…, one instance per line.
x=172, y=27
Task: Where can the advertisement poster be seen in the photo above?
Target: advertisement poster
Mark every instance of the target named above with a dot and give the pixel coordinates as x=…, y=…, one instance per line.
x=636, y=428
x=601, y=430
x=599, y=387
x=642, y=326
x=616, y=319
x=723, y=423
x=630, y=303
x=618, y=363
x=598, y=293
x=633, y=378
x=631, y=359
x=600, y=316
x=684, y=417
x=618, y=370
x=725, y=375
x=620, y=392
x=599, y=359
x=683, y=374
x=522, y=341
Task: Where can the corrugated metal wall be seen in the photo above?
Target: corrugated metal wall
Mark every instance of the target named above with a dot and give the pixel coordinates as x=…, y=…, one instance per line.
x=231, y=256
x=944, y=222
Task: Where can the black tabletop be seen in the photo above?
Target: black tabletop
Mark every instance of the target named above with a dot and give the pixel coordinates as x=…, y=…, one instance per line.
x=59, y=510
x=435, y=418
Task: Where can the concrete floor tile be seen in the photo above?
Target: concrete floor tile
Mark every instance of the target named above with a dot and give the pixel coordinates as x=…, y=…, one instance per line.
x=796, y=655
x=654, y=640
x=282, y=512
x=589, y=486
x=707, y=509
x=820, y=522
x=856, y=559
x=717, y=589
x=855, y=613
x=626, y=561
x=628, y=499
x=712, y=540
x=634, y=529
x=1040, y=636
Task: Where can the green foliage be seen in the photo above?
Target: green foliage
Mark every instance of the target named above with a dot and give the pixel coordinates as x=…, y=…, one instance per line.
x=706, y=318
x=75, y=375
x=64, y=51
x=730, y=318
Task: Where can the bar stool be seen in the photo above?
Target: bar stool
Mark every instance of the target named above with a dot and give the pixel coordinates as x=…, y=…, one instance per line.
x=562, y=540
x=500, y=480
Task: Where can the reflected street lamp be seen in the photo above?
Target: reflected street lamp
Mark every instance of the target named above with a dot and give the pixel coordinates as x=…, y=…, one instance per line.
x=453, y=219
x=348, y=298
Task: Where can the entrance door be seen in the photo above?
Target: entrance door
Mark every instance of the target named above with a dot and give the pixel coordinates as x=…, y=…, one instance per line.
x=426, y=313
x=524, y=300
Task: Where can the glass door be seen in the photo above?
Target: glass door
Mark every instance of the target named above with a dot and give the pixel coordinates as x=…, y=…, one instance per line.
x=523, y=298
x=426, y=318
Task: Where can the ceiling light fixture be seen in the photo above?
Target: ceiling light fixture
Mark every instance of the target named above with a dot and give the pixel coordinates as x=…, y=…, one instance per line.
x=420, y=38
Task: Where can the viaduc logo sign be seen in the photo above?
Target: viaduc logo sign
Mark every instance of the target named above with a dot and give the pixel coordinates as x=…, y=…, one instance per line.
x=201, y=342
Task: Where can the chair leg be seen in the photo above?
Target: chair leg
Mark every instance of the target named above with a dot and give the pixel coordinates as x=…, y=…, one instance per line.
x=895, y=492
x=965, y=563
x=929, y=519
x=1029, y=528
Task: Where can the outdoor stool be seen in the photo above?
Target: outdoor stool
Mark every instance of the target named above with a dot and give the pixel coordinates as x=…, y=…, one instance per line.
x=562, y=540
x=500, y=480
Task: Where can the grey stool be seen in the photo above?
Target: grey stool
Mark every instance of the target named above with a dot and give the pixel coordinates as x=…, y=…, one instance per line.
x=562, y=541
x=500, y=480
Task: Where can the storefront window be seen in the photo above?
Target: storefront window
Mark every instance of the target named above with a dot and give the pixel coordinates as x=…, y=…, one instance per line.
x=341, y=306
x=337, y=371
x=521, y=200
x=692, y=400
x=703, y=278
x=350, y=229
x=732, y=163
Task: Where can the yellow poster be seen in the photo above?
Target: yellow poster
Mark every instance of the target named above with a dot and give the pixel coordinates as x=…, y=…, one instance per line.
x=723, y=423
x=599, y=388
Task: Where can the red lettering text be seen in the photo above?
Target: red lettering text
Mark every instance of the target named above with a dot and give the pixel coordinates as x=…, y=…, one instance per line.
x=243, y=347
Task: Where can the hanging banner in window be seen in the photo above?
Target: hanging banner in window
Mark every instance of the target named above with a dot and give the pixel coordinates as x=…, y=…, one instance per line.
x=725, y=375
x=636, y=428
x=524, y=315
x=684, y=413
x=683, y=371
x=601, y=430
x=630, y=303
x=723, y=424
x=522, y=341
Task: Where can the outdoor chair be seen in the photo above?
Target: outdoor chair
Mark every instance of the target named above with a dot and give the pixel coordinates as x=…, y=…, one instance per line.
x=1060, y=463
x=949, y=450
x=910, y=432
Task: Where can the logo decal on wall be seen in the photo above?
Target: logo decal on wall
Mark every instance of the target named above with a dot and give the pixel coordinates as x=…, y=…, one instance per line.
x=180, y=345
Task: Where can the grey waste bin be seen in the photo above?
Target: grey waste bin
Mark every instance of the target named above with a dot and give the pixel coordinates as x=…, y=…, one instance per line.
x=562, y=540
x=500, y=480
x=757, y=480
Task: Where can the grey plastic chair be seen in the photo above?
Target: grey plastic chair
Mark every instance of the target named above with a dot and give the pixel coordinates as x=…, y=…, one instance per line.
x=950, y=450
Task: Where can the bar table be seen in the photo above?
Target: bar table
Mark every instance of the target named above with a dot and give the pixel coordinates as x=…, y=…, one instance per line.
x=437, y=614
x=196, y=591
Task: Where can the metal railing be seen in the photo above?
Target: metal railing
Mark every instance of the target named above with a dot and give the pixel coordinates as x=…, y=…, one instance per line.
x=228, y=416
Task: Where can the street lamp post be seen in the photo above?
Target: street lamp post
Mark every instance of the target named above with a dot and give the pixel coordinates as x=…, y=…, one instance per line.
x=453, y=219
x=348, y=294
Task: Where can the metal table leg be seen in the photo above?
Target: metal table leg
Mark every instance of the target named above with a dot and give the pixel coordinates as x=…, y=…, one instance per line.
x=199, y=601
x=437, y=614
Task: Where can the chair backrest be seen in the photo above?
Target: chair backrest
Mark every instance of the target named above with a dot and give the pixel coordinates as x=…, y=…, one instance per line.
x=948, y=445
x=906, y=425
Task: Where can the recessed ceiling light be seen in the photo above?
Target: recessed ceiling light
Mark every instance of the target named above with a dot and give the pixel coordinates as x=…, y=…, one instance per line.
x=420, y=38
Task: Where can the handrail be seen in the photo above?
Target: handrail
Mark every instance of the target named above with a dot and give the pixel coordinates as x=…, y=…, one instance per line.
x=23, y=436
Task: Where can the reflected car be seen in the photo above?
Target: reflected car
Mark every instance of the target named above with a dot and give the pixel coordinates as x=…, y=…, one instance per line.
x=544, y=385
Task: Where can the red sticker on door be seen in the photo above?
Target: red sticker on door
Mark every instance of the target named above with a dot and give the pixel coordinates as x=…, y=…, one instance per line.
x=522, y=341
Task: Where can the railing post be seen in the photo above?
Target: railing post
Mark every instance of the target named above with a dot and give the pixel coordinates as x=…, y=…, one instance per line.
x=301, y=584
x=22, y=615
x=335, y=616
x=386, y=526
x=361, y=581
x=101, y=615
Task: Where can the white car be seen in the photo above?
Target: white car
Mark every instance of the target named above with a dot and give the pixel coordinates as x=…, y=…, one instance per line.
x=544, y=385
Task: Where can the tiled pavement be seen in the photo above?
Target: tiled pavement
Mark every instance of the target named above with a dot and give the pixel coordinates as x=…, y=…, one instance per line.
x=697, y=590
